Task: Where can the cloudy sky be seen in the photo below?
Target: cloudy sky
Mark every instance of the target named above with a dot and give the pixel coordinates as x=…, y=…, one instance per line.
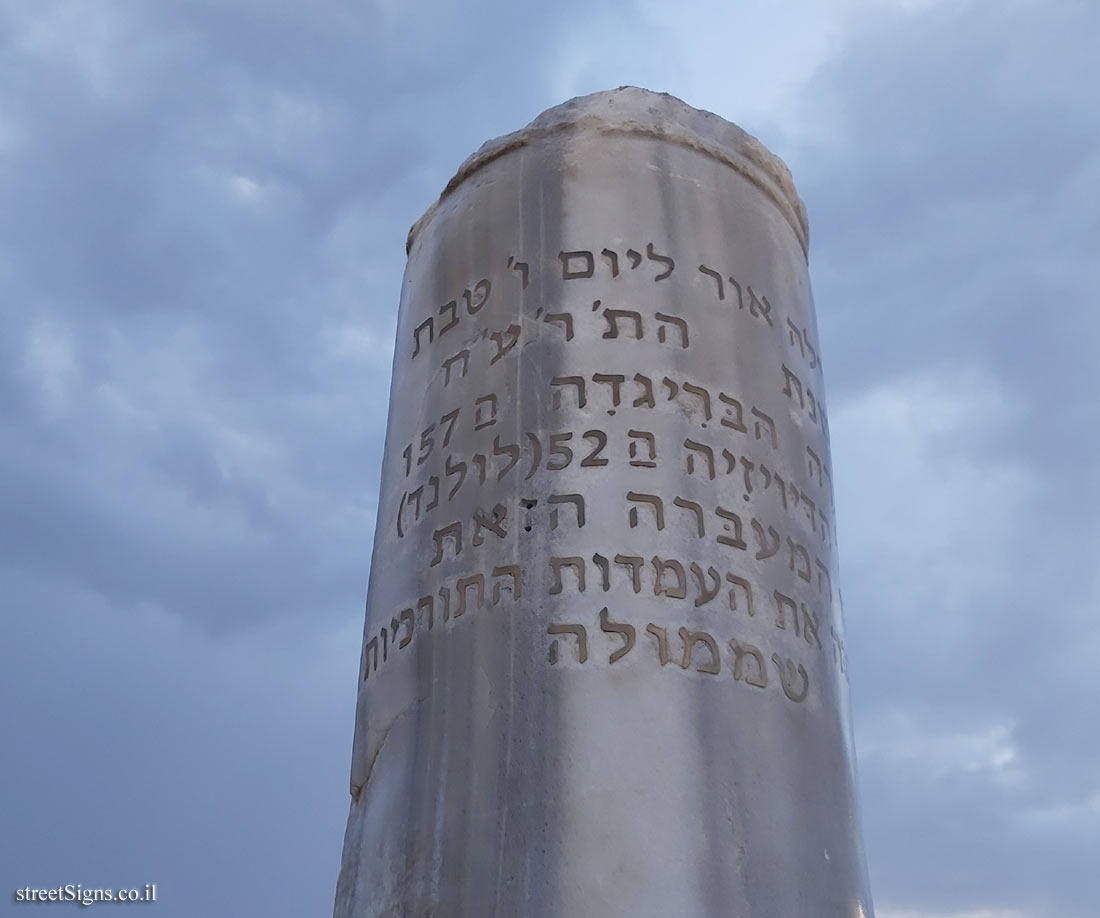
x=203, y=209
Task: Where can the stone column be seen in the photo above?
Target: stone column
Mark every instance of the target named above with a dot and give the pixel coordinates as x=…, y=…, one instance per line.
x=603, y=670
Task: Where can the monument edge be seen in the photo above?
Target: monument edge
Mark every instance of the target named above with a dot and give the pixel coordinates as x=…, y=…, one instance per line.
x=696, y=129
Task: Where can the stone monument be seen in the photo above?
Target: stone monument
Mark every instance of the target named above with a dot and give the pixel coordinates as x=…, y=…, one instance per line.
x=603, y=669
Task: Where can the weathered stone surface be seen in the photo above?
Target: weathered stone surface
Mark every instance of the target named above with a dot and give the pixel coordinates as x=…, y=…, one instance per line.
x=603, y=669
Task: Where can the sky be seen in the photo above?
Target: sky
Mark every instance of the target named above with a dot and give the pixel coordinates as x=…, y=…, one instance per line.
x=203, y=212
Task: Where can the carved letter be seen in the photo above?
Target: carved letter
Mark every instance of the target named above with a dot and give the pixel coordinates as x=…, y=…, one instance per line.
x=823, y=574
x=481, y=421
x=646, y=398
x=605, y=570
x=802, y=571
x=811, y=508
x=791, y=378
x=624, y=630
x=517, y=582
x=556, y=564
x=760, y=307
x=565, y=319
x=706, y=452
x=814, y=462
x=482, y=287
x=695, y=508
x=781, y=602
x=370, y=658
x=417, y=494
x=663, y=259
x=406, y=618
x=771, y=426
x=520, y=266
x=401, y=516
x=512, y=450
x=498, y=338
x=440, y=536
x=614, y=380
x=476, y=580
x=613, y=260
x=746, y=586
x=429, y=324
x=571, y=273
x=495, y=525
x=673, y=320
x=577, y=381
x=702, y=394
x=780, y=483
x=679, y=591
x=449, y=419
x=787, y=673
x=460, y=470
x=453, y=306
x=735, y=417
x=647, y=438
x=576, y=630
x=575, y=499
x=765, y=551
x=740, y=299
x=464, y=356
x=794, y=492
x=809, y=626
x=612, y=315
x=741, y=672
x=690, y=639
x=536, y=455
x=796, y=335
x=737, y=541
x=717, y=279
x=706, y=594
x=634, y=562
x=839, y=656
x=655, y=502
x=661, y=636
x=427, y=602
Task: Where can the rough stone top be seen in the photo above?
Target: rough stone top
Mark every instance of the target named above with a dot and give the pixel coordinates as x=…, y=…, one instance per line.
x=633, y=111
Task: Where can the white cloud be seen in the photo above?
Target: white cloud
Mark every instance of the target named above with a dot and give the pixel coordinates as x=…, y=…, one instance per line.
x=244, y=188
x=921, y=509
x=1065, y=817
x=748, y=64
x=939, y=913
x=104, y=45
x=901, y=738
x=49, y=362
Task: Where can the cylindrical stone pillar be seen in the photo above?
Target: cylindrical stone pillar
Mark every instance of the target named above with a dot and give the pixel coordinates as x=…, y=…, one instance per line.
x=603, y=670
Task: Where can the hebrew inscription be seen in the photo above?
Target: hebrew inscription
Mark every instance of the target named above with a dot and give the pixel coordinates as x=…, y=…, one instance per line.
x=606, y=639
x=731, y=573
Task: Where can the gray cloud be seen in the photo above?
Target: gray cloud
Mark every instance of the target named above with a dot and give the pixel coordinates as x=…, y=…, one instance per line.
x=950, y=169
